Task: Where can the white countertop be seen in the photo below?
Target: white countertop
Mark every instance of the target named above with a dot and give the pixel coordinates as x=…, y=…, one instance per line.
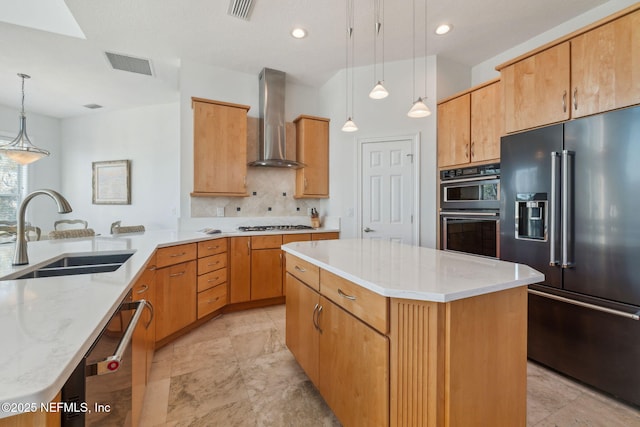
x=49, y=323
x=413, y=272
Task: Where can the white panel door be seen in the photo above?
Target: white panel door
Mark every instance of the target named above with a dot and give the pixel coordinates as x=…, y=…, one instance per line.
x=388, y=176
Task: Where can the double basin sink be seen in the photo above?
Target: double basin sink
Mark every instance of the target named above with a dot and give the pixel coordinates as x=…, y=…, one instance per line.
x=73, y=264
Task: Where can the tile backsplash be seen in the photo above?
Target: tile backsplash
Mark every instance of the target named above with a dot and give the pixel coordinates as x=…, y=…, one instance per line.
x=270, y=194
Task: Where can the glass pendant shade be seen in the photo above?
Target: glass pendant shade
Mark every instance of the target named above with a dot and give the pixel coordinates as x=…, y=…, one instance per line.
x=349, y=126
x=21, y=150
x=419, y=109
x=378, y=91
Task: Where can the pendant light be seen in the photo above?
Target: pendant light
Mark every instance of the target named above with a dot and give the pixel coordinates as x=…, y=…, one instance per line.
x=419, y=108
x=349, y=125
x=378, y=91
x=21, y=150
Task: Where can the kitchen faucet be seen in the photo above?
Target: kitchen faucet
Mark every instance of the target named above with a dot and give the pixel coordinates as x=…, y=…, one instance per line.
x=21, y=257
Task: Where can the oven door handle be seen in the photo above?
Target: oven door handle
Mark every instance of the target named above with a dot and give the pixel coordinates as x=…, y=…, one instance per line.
x=112, y=363
x=469, y=214
x=478, y=178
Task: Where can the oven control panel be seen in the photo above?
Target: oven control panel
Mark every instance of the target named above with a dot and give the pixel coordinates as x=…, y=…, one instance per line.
x=470, y=172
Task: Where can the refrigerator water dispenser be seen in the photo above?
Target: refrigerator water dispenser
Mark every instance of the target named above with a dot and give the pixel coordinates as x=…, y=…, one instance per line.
x=531, y=216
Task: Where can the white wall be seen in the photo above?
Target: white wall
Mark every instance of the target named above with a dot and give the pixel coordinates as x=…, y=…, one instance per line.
x=375, y=118
x=150, y=138
x=44, y=132
x=486, y=70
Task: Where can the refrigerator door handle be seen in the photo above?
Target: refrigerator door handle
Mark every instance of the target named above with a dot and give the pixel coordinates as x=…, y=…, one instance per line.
x=632, y=316
x=553, y=254
x=567, y=209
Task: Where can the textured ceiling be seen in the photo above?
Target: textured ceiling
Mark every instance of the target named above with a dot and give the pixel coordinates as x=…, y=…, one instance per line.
x=68, y=72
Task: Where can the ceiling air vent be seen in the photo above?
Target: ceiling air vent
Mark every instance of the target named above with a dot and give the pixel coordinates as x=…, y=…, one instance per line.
x=129, y=63
x=92, y=106
x=240, y=8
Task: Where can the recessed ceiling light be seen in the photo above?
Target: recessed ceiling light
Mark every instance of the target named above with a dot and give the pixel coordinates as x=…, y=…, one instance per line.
x=443, y=29
x=299, y=33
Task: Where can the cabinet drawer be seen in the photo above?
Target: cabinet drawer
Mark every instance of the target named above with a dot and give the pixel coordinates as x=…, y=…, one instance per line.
x=288, y=238
x=303, y=270
x=212, y=279
x=176, y=254
x=370, y=307
x=212, y=247
x=266, y=242
x=325, y=236
x=211, y=300
x=211, y=263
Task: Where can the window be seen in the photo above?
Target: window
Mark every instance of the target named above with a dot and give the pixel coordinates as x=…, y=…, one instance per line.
x=13, y=180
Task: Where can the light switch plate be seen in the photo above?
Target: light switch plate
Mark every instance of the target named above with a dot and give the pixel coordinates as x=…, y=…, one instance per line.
x=220, y=211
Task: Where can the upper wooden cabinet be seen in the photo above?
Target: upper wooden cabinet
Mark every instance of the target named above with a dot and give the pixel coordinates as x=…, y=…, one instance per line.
x=536, y=89
x=312, y=149
x=605, y=67
x=219, y=148
x=470, y=126
x=590, y=71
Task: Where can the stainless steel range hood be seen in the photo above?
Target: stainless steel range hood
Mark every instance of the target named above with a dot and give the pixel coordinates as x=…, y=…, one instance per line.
x=272, y=141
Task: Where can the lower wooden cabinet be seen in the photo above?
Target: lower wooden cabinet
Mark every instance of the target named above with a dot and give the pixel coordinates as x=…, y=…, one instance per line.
x=176, y=288
x=347, y=360
x=143, y=338
x=240, y=269
x=266, y=267
x=354, y=373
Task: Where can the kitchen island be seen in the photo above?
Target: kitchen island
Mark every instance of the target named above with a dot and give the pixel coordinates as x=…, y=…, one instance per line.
x=50, y=323
x=400, y=335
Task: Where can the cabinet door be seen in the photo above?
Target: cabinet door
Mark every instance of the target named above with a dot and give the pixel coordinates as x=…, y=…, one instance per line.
x=240, y=269
x=331, y=235
x=312, y=146
x=605, y=67
x=536, y=89
x=454, y=129
x=176, y=298
x=487, y=122
x=302, y=338
x=219, y=149
x=355, y=371
x=143, y=339
x=266, y=273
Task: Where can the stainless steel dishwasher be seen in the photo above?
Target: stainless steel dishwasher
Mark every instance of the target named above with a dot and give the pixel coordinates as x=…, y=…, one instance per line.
x=98, y=392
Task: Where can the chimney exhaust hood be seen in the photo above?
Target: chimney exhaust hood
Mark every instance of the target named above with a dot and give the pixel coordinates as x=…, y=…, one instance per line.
x=272, y=141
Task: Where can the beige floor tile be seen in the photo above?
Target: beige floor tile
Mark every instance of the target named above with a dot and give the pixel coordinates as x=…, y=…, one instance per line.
x=196, y=394
x=202, y=355
x=235, y=414
x=156, y=398
x=270, y=372
x=247, y=321
x=257, y=343
x=212, y=330
x=589, y=411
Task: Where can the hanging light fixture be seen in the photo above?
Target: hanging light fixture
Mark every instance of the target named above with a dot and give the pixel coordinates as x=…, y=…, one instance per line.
x=21, y=150
x=349, y=125
x=378, y=91
x=419, y=108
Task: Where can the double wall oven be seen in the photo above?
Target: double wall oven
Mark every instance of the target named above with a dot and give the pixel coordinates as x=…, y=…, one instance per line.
x=470, y=210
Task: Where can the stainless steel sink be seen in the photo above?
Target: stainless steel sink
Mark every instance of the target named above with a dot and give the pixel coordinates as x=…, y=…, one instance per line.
x=73, y=264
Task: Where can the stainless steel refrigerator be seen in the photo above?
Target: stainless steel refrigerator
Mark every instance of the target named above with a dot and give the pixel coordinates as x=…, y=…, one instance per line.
x=570, y=208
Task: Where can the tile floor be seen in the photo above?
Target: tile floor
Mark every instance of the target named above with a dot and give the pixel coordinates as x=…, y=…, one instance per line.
x=236, y=371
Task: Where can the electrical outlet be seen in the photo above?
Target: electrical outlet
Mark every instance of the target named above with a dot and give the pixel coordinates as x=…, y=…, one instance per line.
x=308, y=211
x=220, y=211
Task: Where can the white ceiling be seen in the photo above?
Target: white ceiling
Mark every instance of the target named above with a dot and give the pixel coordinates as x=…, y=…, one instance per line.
x=68, y=72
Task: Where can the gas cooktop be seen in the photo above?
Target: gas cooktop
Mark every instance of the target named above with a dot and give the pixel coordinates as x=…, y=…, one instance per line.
x=274, y=227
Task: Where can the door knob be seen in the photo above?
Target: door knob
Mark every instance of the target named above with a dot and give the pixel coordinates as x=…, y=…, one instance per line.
x=368, y=230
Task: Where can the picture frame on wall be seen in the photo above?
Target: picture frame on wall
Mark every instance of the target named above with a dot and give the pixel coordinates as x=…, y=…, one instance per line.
x=112, y=182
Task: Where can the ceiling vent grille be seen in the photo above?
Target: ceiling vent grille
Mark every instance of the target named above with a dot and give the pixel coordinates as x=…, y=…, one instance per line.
x=240, y=8
x=129, y=63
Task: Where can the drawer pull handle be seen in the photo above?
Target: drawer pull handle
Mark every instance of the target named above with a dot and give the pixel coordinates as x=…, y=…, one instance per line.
x=211, y=264
x=152, y=268
x=211, y=301
x=177, y=274
x=300, y=269
x=142, y=290
x=213, y=280
x=177, y=255
x=210, y=248
x=349, y=297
